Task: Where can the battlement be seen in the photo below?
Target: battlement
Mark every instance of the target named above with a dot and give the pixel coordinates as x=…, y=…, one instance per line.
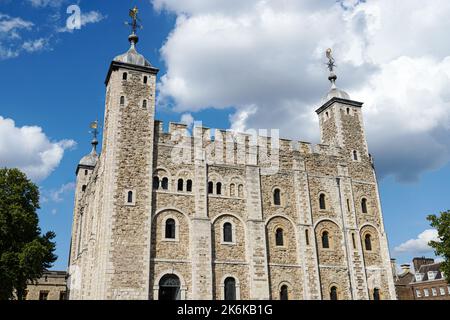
x=229, y=147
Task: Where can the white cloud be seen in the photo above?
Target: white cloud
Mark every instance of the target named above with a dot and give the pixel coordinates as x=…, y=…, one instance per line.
x=29, y=149
x=46, y=3
x=56, y=195
x=86, y=18
x=266, y=59
x=419, y=245
x=187, y=119
x=35, y=45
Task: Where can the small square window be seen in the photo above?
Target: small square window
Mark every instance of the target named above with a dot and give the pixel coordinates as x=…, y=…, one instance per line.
x=43, y=295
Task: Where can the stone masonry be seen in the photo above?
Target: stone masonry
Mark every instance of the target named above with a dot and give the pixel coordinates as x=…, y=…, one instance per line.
x=328, y=214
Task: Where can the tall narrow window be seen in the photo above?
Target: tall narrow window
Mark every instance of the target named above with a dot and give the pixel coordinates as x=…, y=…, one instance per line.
x=124, y=76
x=364, y=205
x=307, y=237
x=376, y=294
x=144, y=104
x=210, y=187
x=348, y=205
x=156, y=183
x=368, y=242
x=83, y=188
x=145, y=80
x=85, y=172
x=354, y=241
x=355, y=155
x=284, y=295
x=232, y=190
x=322, y=203
x=279, y=241
x=170, y=229
x=348, y=110
x=277, y=197
x=219, y=188
x=180, y=185
x=189, y=186
x=122, y=100
x=165, y=183
x=230, y=288
x=130, y=197
x=325, y=240
x=227, y=232
x=240, y=191
x=333, y=293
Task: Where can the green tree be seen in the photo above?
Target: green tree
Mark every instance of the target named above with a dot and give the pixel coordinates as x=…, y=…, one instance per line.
x=24, y=252
x=442, y=247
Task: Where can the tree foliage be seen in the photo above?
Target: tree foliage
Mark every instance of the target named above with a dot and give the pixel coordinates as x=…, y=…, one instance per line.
x=442, y=247
x=24, y=252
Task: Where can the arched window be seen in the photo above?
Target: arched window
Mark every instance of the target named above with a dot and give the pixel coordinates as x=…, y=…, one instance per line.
x=364, y=205
x=169, y=287
x=284, y=295
x=83, y=188
x=333, y=293
x=130, y=197
x=124, y=76
x=122, y=100
x=322, y=203
x=355, y=155
x=348, y=110
x=219, y=188
x=232, y=190
x=241, y=191
x=145, y=80
x=227, y=232
x=165, y=183
x=189, y=186
x=230, y=288
x=376, y=294
x=170, y=229
x=277, y=197
x=210, y=187
x=368, y=242
x=85, y=172
x=279, y=241
x=325, y=240
x=144, y=104
x=307, y=237
x=156, y=183
x=180, y=185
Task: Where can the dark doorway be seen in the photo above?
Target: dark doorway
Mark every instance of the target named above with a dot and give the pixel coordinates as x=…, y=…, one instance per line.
x=169, y=287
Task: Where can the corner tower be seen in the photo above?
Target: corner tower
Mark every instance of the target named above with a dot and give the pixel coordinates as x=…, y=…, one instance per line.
x=127, y=165
x=341, y=121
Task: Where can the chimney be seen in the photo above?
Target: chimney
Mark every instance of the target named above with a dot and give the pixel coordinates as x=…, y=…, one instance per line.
x=405, y=268
x=418, y=262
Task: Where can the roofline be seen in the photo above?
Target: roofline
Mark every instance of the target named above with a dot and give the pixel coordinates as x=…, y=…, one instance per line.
x=83, y=166
x=116, y=65
x=341, y=100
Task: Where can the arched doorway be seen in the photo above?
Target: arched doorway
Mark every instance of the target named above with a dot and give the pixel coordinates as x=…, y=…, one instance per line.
x=169, y=288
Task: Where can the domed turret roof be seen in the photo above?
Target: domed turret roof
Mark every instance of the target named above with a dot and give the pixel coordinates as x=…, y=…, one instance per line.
x=89, y=160
x=336, y=93
x=132, y=56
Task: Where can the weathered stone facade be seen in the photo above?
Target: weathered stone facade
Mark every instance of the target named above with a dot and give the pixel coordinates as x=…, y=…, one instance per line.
x=147, y=180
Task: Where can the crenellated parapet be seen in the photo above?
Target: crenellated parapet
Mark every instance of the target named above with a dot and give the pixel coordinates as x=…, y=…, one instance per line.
x=228, y=147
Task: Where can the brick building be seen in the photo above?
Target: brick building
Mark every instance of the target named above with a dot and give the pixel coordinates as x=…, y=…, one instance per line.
x=51, y=286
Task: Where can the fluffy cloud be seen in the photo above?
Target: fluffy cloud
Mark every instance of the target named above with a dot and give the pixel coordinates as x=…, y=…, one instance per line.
x=420, y=245
x=86, y=18
x=11, y=43
x=266, y=59
x=29, y=149
x=56, y=195
x=46, y=3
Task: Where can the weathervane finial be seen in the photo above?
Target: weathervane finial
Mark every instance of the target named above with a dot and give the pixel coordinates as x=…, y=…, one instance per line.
x=331, y=66
x=134, y=24
x=94, y=131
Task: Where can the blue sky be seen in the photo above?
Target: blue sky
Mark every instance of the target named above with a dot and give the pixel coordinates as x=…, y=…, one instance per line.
x=53, y=80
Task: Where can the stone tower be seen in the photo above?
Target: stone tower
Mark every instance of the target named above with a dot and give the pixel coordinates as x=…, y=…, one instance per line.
x=127, y=156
